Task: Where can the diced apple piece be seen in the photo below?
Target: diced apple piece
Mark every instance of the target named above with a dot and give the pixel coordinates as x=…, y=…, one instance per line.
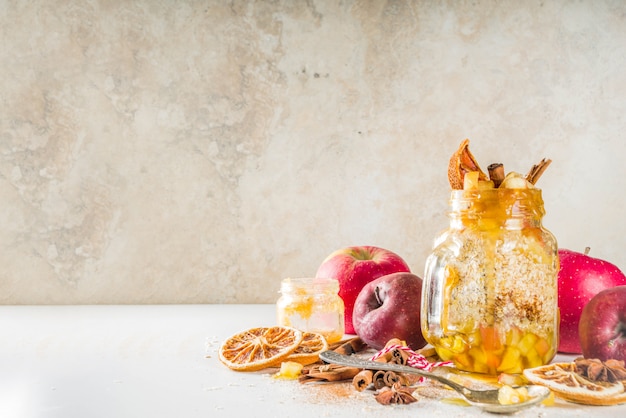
x=459, y=345
x=548, y=356
x=542, y=347
x=470, y=180
x=490, y=338
x=289, y=370
x=480, y=359
x=481, y=368
x=527, y=343
x=511, y=361
x=485, y=185
x=478, y=355
x=533, y=360
x=549, y=401
x=511, y=379
x=455, y=344
x=473, y=338
x=508, y=395
x=444, y=353
x=465, y=361
x=444, y=342
x=493, y=361
x=522, y=392
x=513, y=336
x=515, y=183
x=515, y=180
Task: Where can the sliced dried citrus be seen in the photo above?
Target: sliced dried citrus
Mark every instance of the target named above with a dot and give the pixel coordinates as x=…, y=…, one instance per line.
x=259, y=348
x=461, y=162
x=309, y=349
x=563, y=380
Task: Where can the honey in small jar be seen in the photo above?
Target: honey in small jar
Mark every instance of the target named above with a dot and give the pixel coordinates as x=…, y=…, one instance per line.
x=312, y=305
x=489, y=301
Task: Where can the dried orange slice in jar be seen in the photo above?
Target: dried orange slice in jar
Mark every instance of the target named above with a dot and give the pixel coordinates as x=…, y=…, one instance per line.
x=566, y=383
x=259, y=348
x=309, y=349
x=462, y=162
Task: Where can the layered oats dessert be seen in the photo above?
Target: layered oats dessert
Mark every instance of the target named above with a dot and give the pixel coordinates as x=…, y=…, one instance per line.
x=490, y=293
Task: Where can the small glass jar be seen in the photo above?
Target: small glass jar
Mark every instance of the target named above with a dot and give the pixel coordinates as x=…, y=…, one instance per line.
x=313, y=305
x=489, y=300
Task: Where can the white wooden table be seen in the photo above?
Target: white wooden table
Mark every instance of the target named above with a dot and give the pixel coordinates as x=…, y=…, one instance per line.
x=161, y=361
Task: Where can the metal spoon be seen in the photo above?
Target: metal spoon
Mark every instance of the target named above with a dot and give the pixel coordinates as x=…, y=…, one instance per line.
x=484, y=399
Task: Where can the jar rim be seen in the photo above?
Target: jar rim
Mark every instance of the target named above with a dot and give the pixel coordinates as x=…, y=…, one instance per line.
x=310, y=283
x=502, y=203
x=495, y=193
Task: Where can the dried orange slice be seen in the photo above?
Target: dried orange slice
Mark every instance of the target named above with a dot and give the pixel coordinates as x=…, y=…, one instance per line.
x=309, y=349
x=563, y=380
x=461, y=162
x=259, y=348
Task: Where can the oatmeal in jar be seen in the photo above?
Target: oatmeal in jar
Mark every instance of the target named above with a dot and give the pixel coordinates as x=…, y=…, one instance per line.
x=490, y=287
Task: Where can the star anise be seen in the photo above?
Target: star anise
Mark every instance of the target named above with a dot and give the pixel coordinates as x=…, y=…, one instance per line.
x=601, y=371
x=396, y=394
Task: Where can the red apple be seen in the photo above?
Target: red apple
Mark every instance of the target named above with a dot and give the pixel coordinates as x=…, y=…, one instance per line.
x=354, y=267
x=389, y=307
x=580, y=278
x=602, y=326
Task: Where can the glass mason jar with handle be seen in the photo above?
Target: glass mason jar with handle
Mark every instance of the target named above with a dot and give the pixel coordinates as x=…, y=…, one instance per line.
x=489, y=300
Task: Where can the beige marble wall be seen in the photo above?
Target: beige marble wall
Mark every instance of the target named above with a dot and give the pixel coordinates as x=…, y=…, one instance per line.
x=200, y=151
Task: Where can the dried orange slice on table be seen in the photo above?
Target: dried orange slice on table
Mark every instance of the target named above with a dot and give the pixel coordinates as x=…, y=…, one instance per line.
x=567, y=384
x=309, y=349
x=259, y=348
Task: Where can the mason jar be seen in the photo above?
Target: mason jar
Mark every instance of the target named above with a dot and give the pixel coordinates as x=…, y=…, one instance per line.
x=489, y=298
x=313, y=305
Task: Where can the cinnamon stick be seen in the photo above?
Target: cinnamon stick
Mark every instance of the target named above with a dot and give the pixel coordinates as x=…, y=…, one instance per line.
x=349, y=347
x=496, y=173
x=327, y=373
x=537, y=170
x=362, y=380
x=384, y=378
x=395, y=356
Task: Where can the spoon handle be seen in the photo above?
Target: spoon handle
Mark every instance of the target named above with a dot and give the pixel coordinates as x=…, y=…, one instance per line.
x=353, y=361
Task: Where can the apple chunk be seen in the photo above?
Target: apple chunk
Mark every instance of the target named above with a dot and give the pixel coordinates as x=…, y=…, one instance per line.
x=389, y=307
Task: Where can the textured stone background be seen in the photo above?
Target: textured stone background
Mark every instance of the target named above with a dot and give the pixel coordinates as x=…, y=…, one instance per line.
x=201, y=151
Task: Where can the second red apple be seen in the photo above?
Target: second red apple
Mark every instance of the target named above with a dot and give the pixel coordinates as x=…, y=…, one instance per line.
x=602, y=327
x=390, y=307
